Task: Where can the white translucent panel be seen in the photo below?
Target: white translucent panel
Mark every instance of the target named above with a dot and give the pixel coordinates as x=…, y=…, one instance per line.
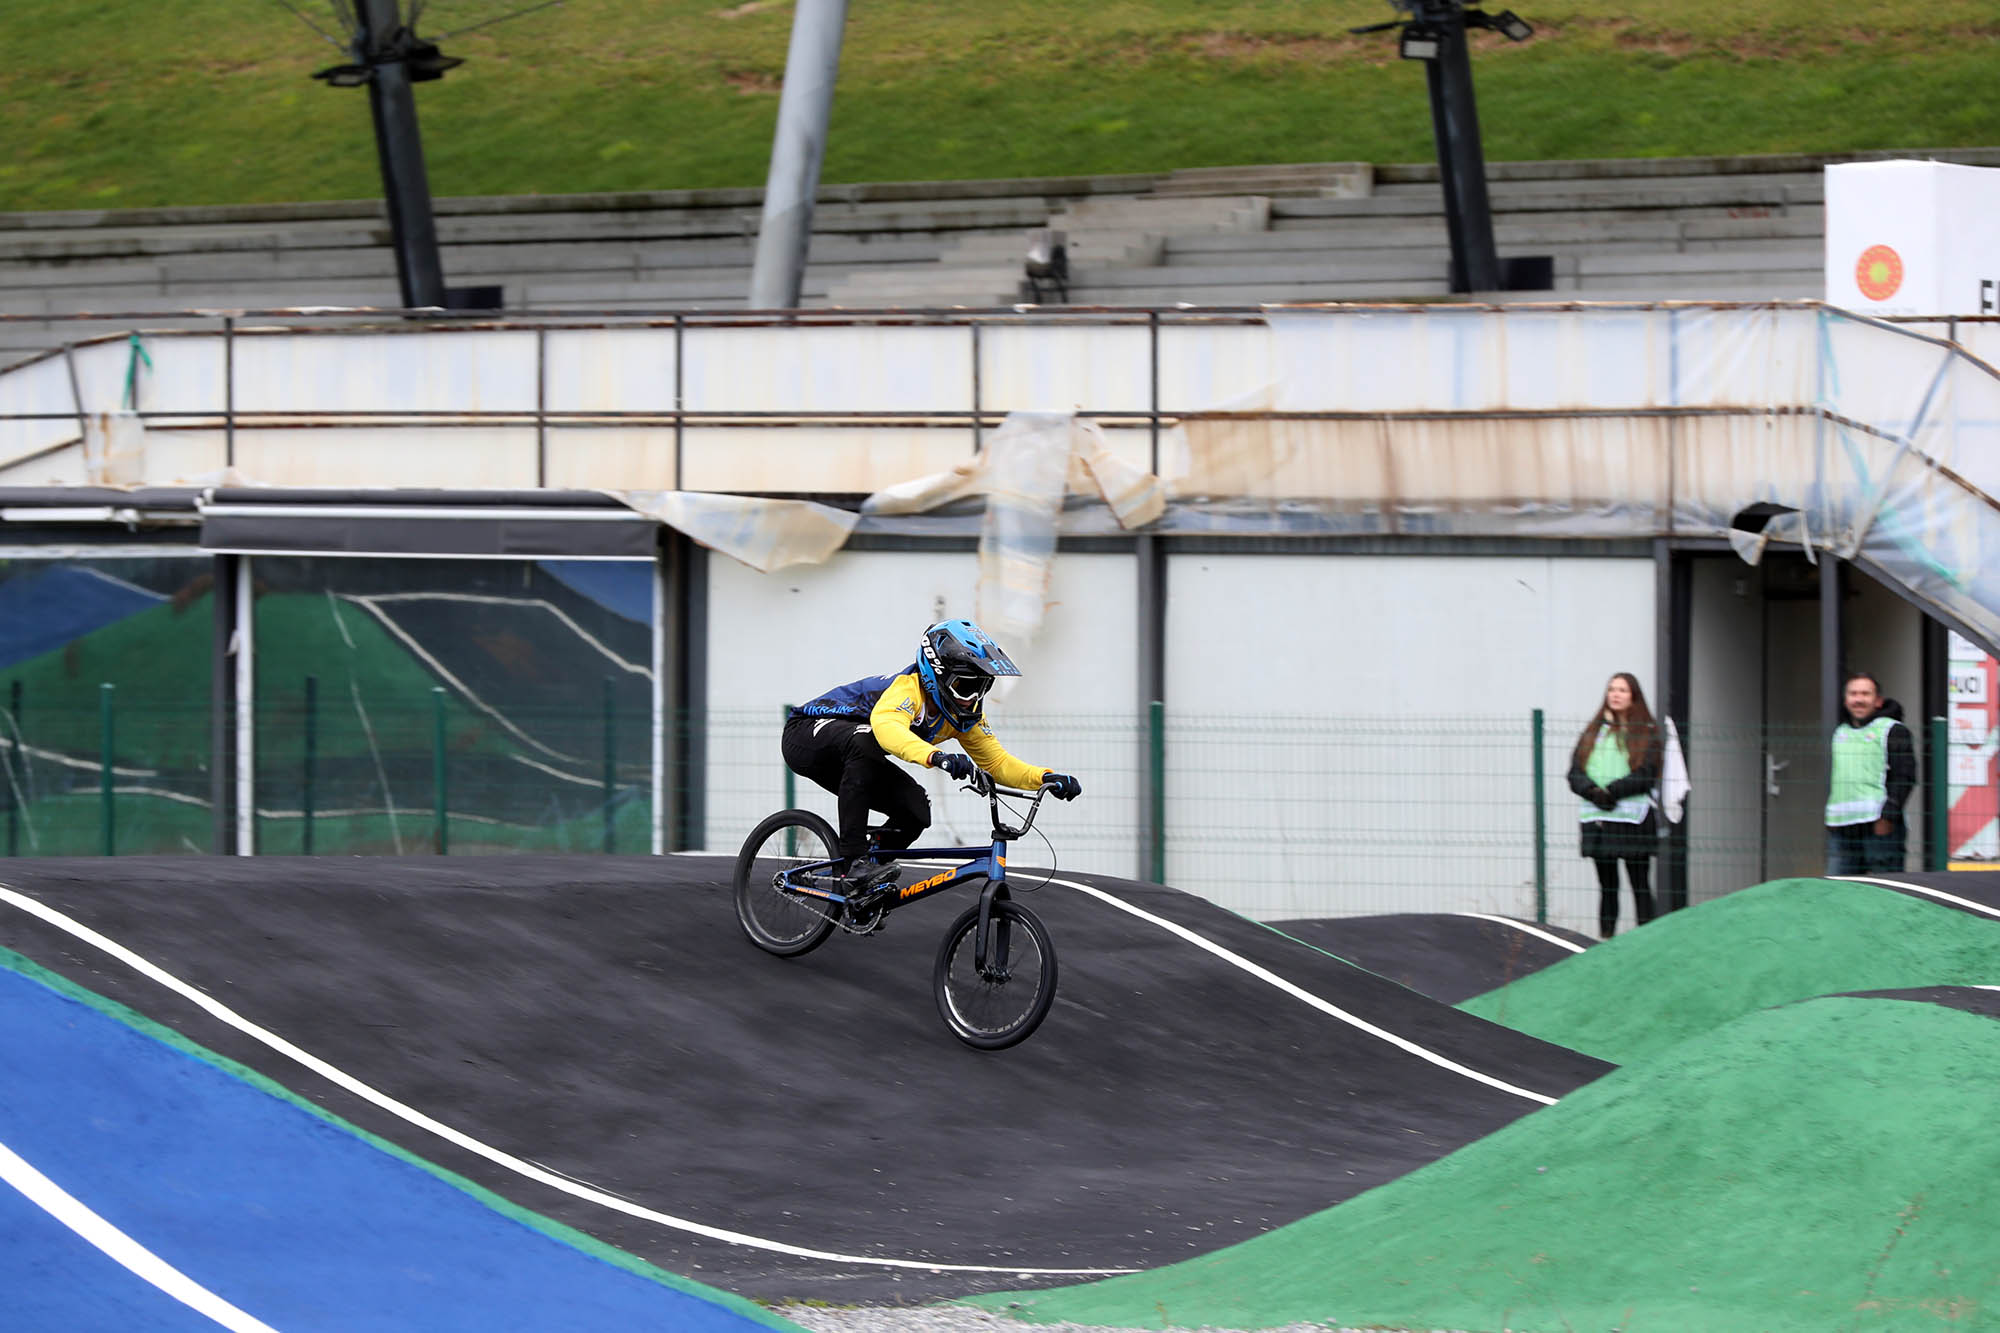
x=611, y=458
x=185, y=374
x=1884, y=380
x=608, y=370
x=482, y=371
x=1550, y=361
x=1206, y=367
x=187, y=457
x=1982, y=339
x=818, y=459
x=64, y=467
x=1038, y=368
x=457, y=458
x=42, y=390
x=900, y=368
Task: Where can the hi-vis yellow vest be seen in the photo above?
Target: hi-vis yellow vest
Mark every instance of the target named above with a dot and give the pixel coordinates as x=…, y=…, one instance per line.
x=1607, y=764
x=1860, y=784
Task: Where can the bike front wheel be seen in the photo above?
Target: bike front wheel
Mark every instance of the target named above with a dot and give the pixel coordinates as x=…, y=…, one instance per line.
x=998, y=1004
x=777, y=919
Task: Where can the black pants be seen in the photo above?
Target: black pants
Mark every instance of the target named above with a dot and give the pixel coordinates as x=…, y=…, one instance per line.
x=1640, y=871
x=841, y=755
x=1857, y=849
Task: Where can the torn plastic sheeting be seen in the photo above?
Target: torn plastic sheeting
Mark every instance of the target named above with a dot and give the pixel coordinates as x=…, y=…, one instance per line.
x=762, y=533
x=1134, y=495
x=1024, y=471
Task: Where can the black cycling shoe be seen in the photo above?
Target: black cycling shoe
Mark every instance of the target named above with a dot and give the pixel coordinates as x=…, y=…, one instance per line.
x=867, y=887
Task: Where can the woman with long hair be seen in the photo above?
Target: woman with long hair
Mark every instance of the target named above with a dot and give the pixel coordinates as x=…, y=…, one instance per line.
x=1614, y=768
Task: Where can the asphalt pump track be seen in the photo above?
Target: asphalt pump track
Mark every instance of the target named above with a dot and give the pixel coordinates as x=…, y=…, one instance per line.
x=592, y=1039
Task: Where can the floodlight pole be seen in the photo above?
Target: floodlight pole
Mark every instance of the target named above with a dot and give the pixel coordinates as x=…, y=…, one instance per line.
x=1468, y=211
x=798, y=146
x=406, y=188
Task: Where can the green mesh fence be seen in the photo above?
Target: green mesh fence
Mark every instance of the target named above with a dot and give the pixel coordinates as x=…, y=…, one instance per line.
x=1274, y=817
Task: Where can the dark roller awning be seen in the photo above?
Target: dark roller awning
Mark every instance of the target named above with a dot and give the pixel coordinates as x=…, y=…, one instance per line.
x=494, y=525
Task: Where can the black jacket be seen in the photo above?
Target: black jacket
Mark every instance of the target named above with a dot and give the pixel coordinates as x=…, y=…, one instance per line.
x=1643, y=778
x=1902, y=774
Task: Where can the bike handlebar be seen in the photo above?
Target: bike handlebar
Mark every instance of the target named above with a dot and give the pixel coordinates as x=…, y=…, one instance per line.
x=982, y=782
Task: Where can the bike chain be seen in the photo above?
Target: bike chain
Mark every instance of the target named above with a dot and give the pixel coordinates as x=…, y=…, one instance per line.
x=868, y=925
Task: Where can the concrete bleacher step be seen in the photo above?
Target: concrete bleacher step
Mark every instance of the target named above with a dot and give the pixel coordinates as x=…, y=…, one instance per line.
x=1328, y=180
x=1714, y=228
x=1101, y=233
x=1208, y=213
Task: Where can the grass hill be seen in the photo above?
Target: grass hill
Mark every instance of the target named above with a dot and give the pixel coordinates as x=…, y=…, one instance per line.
x=131, y=103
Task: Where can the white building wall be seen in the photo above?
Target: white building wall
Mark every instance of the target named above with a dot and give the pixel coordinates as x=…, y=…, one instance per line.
x=786, y=637
x=1352, y=734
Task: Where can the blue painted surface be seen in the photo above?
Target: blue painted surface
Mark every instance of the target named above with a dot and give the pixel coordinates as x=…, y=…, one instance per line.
x=623, y=587
x=53, y=1279
x=296, y=1221
x=45, y=608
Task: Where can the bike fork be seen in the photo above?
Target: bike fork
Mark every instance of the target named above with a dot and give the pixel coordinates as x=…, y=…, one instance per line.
x=989, y=942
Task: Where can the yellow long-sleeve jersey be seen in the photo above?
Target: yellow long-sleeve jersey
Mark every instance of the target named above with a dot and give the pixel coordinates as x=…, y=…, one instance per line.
x=904, y=727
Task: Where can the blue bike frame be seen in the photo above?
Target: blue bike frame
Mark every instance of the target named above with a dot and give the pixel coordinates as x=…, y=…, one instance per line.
x=988, y=863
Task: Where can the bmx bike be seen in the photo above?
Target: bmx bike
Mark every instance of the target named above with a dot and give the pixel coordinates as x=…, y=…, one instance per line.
x=995, y=974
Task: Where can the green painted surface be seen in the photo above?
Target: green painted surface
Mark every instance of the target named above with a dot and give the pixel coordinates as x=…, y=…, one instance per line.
x=1817, y=1167
x=1638, y=994
x=523, y=779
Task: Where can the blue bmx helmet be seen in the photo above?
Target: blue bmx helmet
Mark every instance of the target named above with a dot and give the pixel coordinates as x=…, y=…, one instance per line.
x=957, y=664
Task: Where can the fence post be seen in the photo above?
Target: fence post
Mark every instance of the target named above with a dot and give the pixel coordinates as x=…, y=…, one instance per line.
x=109, y=748
x=791, y=796
x=610, y=767
x=438, y=793
x=312, y=754
x=1156, y=752
x=1541, y=829
x=1939, y=805
x=17, y=768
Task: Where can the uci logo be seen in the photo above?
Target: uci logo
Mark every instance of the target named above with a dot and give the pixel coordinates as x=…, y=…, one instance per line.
x=1878, y=273
x=942, y=877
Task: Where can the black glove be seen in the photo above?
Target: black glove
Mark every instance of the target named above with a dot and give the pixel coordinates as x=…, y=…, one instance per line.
x=960, y=767
x=1603, y=799
x=1062, y=786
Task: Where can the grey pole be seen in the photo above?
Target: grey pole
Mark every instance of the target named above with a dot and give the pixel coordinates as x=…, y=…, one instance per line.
x=1468, y=211
x=798, y=146
x=405, y=187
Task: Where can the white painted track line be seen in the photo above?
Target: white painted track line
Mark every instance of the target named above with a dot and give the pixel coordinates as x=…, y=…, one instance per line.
x=1907, y=887
x=1299, y=993
x=1536, y=931
x=73, y=1213
x=520, y=1167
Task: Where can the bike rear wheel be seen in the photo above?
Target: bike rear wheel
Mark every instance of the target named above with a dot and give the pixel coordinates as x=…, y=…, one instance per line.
x=778, y=920
x=995, y=1007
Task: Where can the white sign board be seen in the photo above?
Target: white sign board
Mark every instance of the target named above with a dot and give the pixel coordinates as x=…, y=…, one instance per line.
x=1913, y=238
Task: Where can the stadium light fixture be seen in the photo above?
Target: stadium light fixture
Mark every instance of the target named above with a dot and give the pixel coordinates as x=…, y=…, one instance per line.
x=1507, y=23
x=1419, y=42
x=345, y=76
x=1434, y=32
